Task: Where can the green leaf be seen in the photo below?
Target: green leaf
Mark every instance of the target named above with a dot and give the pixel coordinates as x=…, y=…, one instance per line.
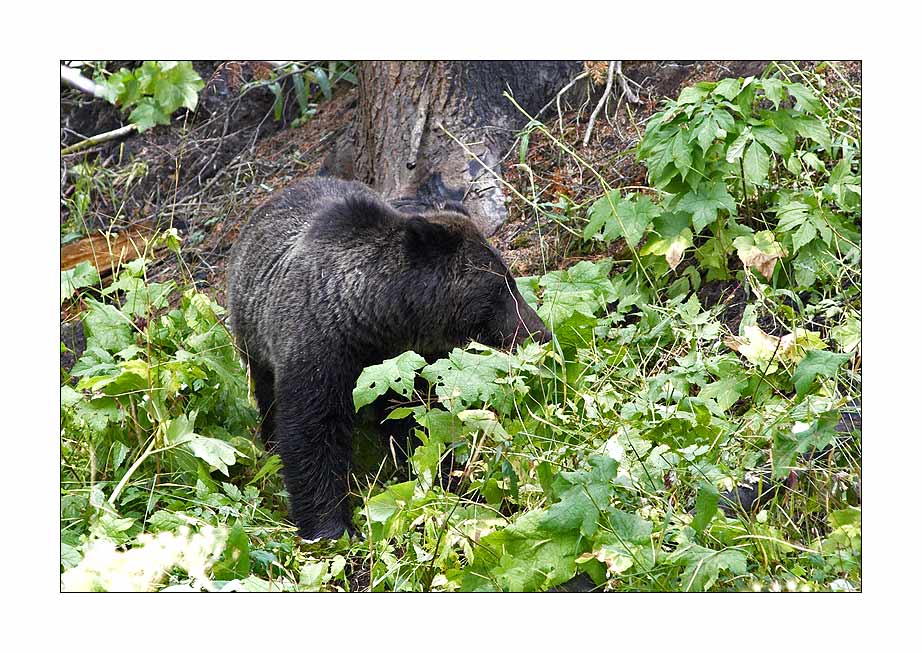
x=813, y=129
x=772, y=88
x=396, y=374
x=164, y=520
x=467, y=377
x=675, y=238
x=217, y=453
x=106, y=327
x=848, y=334
x=728, y=88
x=635, y=216
x=573, y=297
x=702, y=566
x=582, y=494
x=381, y=507
x=773, y=139
x=735, y=151
x=704, y=203
x=148, y=114
x=484, y=421
x=681, y=153
x=806, y=100
x=802, y=438
x=601, y=214
x=313, y=575
x=814, y=162
x=845, y=517
x=694, y=94
x=803, y=235
x=187, y=83
x=725, y=391
x=816, y=363
x=235, y=563
x=528, y=287
x=168, y=96
x=81, y=276
x=708, y=131
x=180, y=430
x=70, y=556
x=705, y=506
x=792, y=214
x=538, y=550
x=756, y=164
x=626, y=545
x=323, y=82
x=523, y=557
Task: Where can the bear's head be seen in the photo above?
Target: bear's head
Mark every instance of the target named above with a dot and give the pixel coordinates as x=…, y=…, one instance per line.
x=471, y=284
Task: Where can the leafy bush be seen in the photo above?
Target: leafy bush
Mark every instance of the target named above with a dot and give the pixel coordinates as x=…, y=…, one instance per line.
x=153, y=91
x=751, y=167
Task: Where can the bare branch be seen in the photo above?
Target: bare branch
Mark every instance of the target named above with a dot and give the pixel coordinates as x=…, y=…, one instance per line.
x=101, y=138
x=73, y=78
x=602, y=101
x=629, y=93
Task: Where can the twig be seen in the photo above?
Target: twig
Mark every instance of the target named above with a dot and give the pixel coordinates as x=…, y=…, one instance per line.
x=602, y=101
x=101, y=138
x=629, y=93
x=74, y=79
x=559, y=95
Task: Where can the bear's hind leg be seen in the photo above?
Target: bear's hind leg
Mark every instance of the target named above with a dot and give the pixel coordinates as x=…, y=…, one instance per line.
x=313, y=435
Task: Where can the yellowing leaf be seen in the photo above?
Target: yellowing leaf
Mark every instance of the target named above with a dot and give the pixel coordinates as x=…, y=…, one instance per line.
x=675, y=253
x=760, y=251
x=672, y=246
x=761, y=349
x=757, y=347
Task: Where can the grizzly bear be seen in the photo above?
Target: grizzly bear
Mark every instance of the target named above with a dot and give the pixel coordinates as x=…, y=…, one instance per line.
x=327, y=278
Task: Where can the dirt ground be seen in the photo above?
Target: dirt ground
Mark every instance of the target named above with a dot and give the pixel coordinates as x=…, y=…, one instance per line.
x=205, y=173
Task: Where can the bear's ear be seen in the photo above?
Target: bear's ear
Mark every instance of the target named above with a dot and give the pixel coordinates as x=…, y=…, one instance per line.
x=425, y=239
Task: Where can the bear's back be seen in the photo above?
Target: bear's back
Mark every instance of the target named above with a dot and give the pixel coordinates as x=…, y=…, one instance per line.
x=294, y=209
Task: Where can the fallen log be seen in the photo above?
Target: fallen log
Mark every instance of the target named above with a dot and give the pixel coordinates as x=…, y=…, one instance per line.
x=106, y=251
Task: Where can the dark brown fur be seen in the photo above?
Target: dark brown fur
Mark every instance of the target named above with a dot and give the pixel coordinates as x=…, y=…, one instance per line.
x=326, y=279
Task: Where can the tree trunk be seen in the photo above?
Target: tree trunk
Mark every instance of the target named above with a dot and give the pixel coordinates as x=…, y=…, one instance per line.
x=401, y=147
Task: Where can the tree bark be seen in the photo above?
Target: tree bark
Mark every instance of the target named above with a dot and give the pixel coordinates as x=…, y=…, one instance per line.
x=400, y=144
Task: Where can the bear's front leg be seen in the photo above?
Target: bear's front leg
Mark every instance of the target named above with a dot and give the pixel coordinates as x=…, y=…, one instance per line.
x=313, y=435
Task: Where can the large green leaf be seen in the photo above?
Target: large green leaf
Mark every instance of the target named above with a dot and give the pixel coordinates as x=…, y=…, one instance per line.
x=708, y=131
x=395, y=374
x=816, y=363
x=773, y=139
x=539, y=549
x=773, y=90
x=468, y=377
x=756, y=164
x=705, y=506
x=806, y=100
x=81, y=276
x=814, y=129
x=635, y=217
x=148, y=114
x=106, y=327
x=704, y=202
x=702, y=566
x=601, y=215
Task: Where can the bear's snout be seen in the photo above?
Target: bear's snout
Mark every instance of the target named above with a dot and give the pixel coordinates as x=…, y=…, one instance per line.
x=527, y=324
